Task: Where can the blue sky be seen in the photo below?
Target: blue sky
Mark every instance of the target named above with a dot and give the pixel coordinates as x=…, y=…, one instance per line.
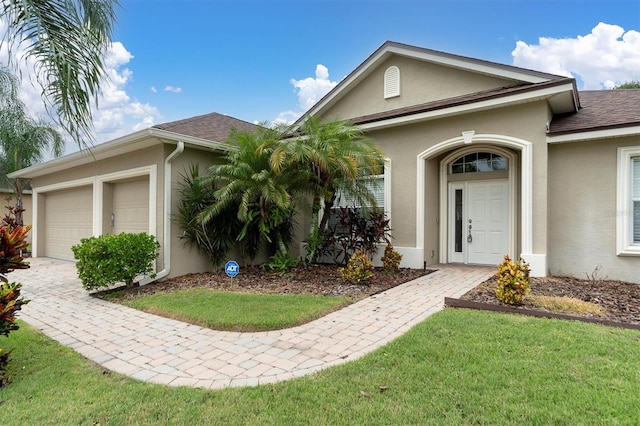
x=259, y=60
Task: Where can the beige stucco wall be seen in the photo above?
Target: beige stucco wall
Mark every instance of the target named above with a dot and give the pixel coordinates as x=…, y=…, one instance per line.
x=153, y=155
x=403, y=144
x=582, y=210
x=186, y=259
x=420, y=82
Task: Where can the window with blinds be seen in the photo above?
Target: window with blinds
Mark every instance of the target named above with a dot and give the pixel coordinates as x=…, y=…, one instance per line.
x=635, y=198
x=375, y=187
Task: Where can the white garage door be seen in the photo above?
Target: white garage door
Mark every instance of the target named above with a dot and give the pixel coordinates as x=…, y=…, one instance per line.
x=68, y=218
x=131, y=206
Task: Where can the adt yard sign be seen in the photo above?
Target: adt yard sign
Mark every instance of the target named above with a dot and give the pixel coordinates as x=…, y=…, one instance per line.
x=232, y=268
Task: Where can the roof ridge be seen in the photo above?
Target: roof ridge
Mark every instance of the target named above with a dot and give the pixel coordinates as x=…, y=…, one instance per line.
x=198, y=117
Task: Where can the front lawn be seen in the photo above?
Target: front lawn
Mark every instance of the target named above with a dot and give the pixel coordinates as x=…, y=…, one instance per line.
x=230, y=311
x=457, y=367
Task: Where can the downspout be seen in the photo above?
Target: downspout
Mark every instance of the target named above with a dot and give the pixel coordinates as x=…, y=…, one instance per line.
x=166, y=215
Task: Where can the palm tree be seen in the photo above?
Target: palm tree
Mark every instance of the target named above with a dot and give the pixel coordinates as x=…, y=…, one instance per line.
x=23, y=140
x=338, y=159
x=215, y=237
x=264, y=200
x=67, y=39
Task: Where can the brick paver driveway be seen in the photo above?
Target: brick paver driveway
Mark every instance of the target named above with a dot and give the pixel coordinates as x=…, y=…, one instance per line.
x=159, y=350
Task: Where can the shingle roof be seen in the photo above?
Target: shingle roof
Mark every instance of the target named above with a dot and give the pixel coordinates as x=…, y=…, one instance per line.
x=601, y=110
x=214, y=127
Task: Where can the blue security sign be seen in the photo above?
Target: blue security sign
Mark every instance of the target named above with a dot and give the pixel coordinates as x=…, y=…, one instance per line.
x=232, y=268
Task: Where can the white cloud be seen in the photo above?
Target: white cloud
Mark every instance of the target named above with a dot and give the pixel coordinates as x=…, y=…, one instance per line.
x=153, y=89
x=287, y=117
x=116, y=113
x=173, y=89
x=309, y=91
x=600, y=60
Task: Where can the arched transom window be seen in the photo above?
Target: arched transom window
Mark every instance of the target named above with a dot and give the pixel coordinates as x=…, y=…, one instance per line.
x=479, y=162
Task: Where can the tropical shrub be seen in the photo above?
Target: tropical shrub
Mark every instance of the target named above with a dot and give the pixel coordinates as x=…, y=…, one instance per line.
x=12, y=244
x=281, y=262
x=358, y=270
x=391, y=259
x=354, y=231
x=10, y=303
x=110, y=259
x=215, y=237
x=513, y=281
x=261, y=198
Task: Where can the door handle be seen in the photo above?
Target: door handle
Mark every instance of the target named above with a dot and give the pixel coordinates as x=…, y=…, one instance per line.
x=470, y=237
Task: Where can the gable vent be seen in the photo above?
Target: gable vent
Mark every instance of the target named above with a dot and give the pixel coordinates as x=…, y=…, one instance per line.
x=391, y=82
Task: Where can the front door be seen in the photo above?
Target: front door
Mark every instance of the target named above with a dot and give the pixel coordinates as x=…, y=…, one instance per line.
x=479, y=221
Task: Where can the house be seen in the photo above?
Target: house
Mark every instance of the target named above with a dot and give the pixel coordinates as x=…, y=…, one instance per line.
x=129, y=184
x=486, y=159
x=483, y=160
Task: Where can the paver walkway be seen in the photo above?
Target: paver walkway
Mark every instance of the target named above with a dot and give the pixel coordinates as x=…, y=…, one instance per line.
x=159, y=350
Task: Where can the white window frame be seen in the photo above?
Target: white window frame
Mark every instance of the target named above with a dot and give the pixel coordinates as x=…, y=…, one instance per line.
x=624, y=211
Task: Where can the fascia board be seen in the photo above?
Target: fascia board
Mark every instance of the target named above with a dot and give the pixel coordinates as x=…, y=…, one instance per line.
x=123, y=145
x=594, y=134
x=468, y=108
x=468, y=64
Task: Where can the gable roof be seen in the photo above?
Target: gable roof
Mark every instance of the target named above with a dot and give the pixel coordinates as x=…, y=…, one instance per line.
x=524, y=77
x=530, y=85
x=214, y=127
x=601, y=110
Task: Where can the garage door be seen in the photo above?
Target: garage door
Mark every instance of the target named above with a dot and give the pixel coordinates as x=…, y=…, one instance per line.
x=131, y=206
x=68, y=218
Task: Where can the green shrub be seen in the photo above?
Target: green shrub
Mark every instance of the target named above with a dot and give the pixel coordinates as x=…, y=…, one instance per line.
x=109, y=259
x=513, y=281
x=281, y=262
x=358, y=270
x=215, y=237
x=391, y=259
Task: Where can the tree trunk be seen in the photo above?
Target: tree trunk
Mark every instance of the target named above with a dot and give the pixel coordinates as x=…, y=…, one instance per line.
x=312, y=238
x=328, y=205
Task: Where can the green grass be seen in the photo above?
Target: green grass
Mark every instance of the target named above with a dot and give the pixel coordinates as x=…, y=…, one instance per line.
x=238, y=311
x=457, y=367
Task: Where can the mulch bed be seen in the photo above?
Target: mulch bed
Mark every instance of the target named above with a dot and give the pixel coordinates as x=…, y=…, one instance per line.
x=620, y=300
x=313, y=279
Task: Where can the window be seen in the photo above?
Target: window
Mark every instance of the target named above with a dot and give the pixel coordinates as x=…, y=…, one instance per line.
x=375, y=186
x=635, y=199
x=380, y=187
x=392, y=82
x=628, y=201
x=478, y=162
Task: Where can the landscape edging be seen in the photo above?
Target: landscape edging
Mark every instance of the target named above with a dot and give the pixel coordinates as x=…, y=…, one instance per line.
x=468, y=304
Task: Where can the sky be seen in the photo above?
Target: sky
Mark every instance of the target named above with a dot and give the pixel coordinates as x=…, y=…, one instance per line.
x=270, y=60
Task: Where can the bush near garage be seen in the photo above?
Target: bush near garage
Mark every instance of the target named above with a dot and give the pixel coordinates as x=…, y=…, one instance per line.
x=110, y=259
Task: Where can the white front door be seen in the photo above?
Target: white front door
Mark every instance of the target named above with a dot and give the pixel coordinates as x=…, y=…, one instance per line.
x=479, y=221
